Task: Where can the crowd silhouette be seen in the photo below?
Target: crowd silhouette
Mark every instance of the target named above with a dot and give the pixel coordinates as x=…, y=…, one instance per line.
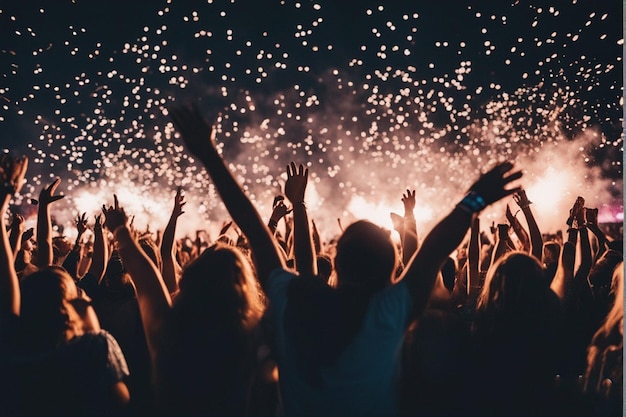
x=505, y=321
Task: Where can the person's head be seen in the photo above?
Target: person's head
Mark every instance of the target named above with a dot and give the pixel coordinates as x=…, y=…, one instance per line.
x=221, y=281
x=365, y=257
x=47, y=314
x=116, y=279
x=515, y=284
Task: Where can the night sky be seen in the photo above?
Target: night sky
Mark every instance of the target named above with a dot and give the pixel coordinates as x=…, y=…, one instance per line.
x=376, y=97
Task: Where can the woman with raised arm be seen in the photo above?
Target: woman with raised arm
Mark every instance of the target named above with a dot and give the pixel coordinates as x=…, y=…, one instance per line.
x=55, y=359
x=342, y=356
x=514, y=336
x=171, y=269
x=536, y=240
x=203, y=347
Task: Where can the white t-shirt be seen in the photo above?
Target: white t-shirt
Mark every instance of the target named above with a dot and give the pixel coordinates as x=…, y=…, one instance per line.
x=364, y=380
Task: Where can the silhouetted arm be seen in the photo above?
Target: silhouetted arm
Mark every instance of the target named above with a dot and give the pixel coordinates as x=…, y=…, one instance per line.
x=16, y=233
x=448, y=234
x=100, y=255
x=565, y=270
x=44, y=225
x=199, y=138
x=536, y=239
x=295, y=188
x=152, y=295
x=473, y=261
x=171, y=269
x=11, y=178
x=409, y=240
x=519, y=230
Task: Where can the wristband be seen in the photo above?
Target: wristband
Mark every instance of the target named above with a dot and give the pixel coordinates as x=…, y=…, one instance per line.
x=273, y=223
x=472, y=203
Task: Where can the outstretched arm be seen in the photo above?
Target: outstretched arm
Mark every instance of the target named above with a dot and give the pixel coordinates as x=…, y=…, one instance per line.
x=12, y=173
x=409, y=240
x=16, y=233
x=171, y=269
x=44, y=225
x=565, y=270
x=448, y=234
x=502, y=238
x=199, y=138
x=519, y=230
x=74, y=257
x=295, y=188
x=152, y=296
x=100, y=255
x=536, y=240
x=473, y=261
x=279, y=211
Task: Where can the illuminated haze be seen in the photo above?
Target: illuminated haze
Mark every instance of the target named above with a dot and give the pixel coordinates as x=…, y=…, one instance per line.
x=375, y=97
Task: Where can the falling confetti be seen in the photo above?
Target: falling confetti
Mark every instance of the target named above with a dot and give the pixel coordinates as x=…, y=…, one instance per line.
x=375, y=97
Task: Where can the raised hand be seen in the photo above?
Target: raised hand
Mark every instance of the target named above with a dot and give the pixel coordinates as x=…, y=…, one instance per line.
x=114, y=216
x=280, y=210
x=179, y=203
x=29, y=233
x=408, y=199
x=296, y=183
x=46, y=196
x=491, y=186
x=17, y=223
x=81, y=223
x=12, y=172
x=98, y=221
x=295, y=188
x=521, y=199
x=198, y=135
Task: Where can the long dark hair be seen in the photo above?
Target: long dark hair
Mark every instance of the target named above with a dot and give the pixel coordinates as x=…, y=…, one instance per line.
x=210, y=337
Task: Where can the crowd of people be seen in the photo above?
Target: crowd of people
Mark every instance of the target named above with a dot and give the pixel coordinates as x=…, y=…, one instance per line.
x=466, y=321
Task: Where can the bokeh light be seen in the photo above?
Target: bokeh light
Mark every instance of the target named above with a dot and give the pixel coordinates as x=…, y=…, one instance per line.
x=375, y=97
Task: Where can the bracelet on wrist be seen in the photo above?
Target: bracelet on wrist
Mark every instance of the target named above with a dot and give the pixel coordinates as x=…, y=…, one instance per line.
x=472, y=203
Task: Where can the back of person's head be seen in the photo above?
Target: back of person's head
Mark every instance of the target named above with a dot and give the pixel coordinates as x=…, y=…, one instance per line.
x=365, y=257
x=221, y=281
x=516, y=293
x=209, y=337
x=116, y=279
x=44, y=314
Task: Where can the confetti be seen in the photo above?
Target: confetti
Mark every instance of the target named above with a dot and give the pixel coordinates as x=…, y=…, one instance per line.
x=374, y=98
